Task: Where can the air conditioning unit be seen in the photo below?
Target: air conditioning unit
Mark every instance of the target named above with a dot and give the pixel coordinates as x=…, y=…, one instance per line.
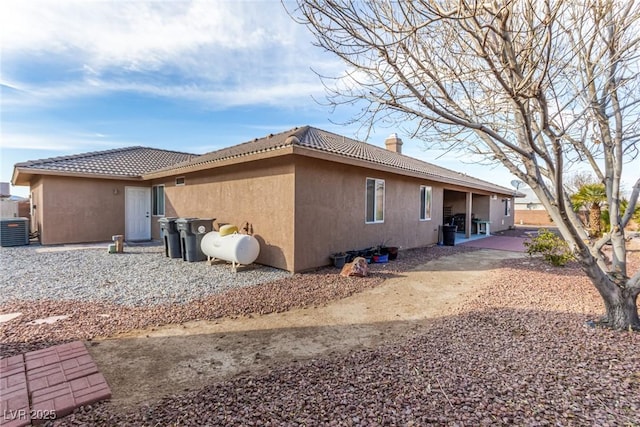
x=14, y=232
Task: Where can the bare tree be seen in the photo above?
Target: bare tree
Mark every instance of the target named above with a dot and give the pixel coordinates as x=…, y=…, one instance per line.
x=538, y=85
x=575, y=181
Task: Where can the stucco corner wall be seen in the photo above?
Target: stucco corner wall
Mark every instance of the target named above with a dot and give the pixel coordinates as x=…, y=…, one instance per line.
x=258, y=193
x=78, y=210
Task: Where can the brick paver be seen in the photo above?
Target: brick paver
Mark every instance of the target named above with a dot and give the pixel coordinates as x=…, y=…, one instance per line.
x=48, y=383
x=58, y=353
x=56, y=373
x=14, y=395
x=63, y=398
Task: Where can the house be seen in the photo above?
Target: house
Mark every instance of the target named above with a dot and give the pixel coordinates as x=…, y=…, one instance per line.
x=305, y=192
x=81, y=198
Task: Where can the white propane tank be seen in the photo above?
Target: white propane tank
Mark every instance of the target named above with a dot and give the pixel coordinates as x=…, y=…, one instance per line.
x=235, y=248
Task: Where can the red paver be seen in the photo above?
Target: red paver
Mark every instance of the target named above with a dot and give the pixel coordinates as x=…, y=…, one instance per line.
x=55, y=354
x=11, y=365
x=14, y=395
x=56, y=373
x=63, y=398
x=48, y=384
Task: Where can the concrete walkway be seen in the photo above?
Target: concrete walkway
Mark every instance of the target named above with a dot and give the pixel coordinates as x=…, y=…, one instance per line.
x=501, y=243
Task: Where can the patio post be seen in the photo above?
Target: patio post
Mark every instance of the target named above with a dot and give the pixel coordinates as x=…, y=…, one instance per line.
x=468, y=210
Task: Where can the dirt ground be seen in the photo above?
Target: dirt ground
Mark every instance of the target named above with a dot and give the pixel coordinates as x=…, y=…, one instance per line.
x=143, y=366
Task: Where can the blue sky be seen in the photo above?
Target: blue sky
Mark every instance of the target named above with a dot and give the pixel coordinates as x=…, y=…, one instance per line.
x=191, y=76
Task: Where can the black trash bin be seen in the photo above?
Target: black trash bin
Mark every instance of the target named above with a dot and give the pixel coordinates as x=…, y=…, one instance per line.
x=171, y=237
x=191, y=232
x=449, y=235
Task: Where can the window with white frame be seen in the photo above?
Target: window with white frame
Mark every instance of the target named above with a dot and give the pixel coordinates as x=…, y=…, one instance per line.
x=375, y=200
x=425, y=202
x=157, y=200
x=507, y=207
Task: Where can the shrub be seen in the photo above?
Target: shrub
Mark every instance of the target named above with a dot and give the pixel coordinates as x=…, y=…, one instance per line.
x=552, y=247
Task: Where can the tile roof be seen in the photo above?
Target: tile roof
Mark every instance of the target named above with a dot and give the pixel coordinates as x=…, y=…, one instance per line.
x=121, y=162
x=136, y=162
x=320, y=140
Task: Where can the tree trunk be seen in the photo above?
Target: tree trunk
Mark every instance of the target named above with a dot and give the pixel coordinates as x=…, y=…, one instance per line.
x=622, y=310
x=594, y=220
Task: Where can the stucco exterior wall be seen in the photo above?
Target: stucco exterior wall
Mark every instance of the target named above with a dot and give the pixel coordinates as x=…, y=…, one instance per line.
x=79, y=210
x=456, y=201
x=500, y=221
x=330, y=212
x=300, y=208
x=259, y=192
x=481, y=206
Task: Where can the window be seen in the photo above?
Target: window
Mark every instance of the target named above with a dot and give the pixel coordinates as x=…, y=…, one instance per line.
x=157, y=200
x=180, y=180
x=425, y=202
x=375, y=200
x=507, y=207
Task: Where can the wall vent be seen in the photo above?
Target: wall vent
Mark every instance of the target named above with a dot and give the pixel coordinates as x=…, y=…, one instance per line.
x=14, y=232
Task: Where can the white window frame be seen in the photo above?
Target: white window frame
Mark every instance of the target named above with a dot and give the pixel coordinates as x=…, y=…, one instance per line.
x=154, y=203
x=376, y=182
x=507, y=207
x=427, y=202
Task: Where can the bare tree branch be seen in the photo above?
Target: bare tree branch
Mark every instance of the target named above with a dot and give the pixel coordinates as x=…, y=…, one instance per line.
x=538, y=86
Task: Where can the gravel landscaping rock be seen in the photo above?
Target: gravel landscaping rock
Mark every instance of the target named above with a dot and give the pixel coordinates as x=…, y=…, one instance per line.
x=142, y=275
x=519, y=353
x=90, y=318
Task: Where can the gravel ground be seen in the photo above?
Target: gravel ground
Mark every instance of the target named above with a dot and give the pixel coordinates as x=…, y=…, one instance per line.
x=89, y=319
x=518, y=353
x=142, y=275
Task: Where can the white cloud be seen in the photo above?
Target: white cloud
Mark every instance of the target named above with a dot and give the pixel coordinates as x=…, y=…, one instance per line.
x=61, y=142
x=129, y=33
x=231, y=52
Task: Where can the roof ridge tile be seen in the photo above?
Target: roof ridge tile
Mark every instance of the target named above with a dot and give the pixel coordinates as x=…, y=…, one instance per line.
x=136, y=161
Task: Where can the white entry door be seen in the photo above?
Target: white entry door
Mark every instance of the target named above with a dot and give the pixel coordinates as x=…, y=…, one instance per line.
x=137, y=211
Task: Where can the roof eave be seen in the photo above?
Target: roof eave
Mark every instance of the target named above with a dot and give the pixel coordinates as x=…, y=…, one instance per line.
x=18, y=178
x=23, y=176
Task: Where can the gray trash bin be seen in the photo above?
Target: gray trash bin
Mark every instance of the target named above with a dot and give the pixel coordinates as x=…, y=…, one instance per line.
x=171, y=237
x=449, y=235
x=191, y=232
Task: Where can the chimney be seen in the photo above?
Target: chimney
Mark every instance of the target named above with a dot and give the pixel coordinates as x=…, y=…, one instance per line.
x=393, y=143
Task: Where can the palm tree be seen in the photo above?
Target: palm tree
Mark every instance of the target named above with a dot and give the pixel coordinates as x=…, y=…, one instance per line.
x=591, y=196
